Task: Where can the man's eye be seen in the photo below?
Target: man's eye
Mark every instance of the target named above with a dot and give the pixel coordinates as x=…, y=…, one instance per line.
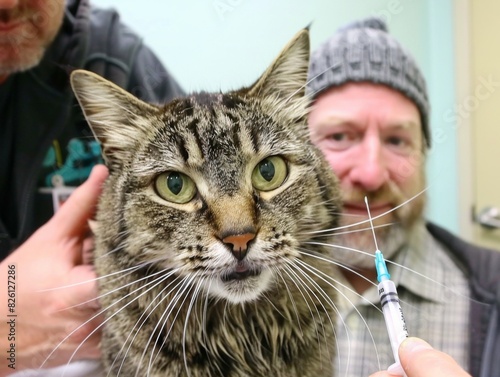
x=398, y=143
x=338, y=136
x=341, y=140
x=395, y=140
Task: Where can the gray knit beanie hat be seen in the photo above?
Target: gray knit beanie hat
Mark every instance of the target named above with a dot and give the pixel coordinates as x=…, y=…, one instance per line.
x=365, y=51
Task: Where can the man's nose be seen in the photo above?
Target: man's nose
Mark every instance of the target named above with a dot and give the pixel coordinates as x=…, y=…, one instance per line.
x=369, y=170
x=8, y=4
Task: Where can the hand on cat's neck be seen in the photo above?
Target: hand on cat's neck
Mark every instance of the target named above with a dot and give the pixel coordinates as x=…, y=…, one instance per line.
x=359, y=284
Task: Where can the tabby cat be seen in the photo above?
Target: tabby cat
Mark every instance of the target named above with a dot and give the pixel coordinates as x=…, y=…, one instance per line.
x=208, y=230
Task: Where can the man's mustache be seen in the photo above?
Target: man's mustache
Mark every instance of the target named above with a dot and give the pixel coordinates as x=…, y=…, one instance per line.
x=18, y=13
x=389, y=193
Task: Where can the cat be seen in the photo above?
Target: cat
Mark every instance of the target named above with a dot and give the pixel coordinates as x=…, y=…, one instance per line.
x=208, y=236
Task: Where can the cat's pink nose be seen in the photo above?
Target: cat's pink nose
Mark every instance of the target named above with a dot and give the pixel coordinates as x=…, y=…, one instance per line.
x=240, y=244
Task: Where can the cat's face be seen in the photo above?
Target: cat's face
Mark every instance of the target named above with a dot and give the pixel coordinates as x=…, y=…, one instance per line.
x=222, y=188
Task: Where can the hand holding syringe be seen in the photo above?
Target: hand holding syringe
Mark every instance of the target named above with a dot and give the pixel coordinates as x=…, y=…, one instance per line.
x=389, y=300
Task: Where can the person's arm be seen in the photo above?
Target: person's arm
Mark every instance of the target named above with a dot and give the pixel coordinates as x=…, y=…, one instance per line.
x=419, y=359
x=35, y=317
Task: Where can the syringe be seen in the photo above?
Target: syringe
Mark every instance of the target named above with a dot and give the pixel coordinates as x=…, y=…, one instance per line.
x=389, y=300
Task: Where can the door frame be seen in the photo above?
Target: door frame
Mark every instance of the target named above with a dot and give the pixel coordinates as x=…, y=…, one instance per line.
x=462, y=32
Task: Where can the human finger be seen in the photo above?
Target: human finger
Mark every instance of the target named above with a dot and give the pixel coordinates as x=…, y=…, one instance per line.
x=419, y=359
x=72, y=217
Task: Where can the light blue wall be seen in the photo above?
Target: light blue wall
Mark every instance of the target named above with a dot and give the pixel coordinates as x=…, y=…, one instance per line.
x=442, y=168
x=224, y=44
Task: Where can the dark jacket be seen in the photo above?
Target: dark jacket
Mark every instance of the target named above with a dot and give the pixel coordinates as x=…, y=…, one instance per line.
x=482, y=267
x=42, y=130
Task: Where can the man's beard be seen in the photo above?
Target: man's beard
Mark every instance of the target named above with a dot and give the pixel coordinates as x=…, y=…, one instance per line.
x=11, y=61
x=24, y=46
x=392, y=230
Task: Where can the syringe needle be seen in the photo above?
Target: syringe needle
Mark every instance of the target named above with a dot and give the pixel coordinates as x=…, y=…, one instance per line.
x=389, y=300
x=371, y=223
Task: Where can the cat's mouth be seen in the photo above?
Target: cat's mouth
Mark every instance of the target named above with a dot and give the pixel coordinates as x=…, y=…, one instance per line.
x=241, y=272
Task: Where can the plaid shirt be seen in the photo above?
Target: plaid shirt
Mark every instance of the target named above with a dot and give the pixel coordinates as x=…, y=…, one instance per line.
x=434, y=299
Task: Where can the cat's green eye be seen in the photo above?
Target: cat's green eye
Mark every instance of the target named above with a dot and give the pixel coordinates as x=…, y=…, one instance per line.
x=269, y=174
x=175, y=187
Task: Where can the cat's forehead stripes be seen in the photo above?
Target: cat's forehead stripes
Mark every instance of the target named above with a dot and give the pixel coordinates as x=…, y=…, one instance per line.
x=189, y=143
x=215, y=128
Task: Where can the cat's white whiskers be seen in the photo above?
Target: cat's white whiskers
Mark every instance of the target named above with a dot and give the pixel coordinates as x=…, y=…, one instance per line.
x=292, y=300
x=156, y=282
x=102, y=324
x=194, y=297
x=166, y=312
x=328, y=279
x=306, y=288
x=143, y=314
x=343, y=266
x=319, y=290
x=332, y=304
x=152, y=333
x=333, y=246
x=114, y=290
x=90, y=280
x=186, y=288
x=335, y=233
x=367, y=221
x=199, y=315
x=288, y=270
x=446, y=287
x=334, y=307
x=204, y=313
x=324, y=296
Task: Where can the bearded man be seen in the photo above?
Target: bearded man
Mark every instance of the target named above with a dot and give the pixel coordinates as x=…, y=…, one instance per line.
x=370, y=118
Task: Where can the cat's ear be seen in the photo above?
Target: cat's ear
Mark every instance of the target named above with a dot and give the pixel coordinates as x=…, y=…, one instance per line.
x=116, y=117
x=285, y=79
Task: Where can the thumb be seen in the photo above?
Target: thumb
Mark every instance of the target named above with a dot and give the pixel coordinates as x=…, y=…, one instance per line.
x=419, y=359
x=80, y=206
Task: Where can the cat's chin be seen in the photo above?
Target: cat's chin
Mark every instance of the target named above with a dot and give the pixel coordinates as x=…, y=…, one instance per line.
x=239, y=288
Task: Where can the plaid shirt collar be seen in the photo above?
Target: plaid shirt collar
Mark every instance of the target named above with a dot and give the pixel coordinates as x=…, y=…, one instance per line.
x=425, y=277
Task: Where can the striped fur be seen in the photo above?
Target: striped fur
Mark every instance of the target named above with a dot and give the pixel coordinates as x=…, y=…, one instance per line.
x=174, y=309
